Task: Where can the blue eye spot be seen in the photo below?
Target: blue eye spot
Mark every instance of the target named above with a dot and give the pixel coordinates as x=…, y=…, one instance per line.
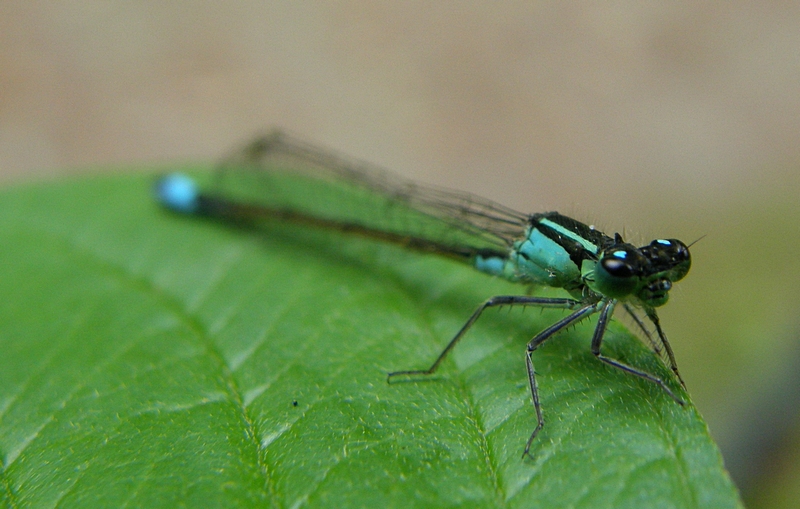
x=620, y=254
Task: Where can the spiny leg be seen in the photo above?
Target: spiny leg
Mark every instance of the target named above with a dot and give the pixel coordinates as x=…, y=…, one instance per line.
x=651, y=314
x=533, y=344
x=501, y=300
x=660, y=347
x=657, y=348
x=597, y=340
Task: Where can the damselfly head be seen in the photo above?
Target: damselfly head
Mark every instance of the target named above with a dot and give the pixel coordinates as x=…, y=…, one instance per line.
x=646, y=273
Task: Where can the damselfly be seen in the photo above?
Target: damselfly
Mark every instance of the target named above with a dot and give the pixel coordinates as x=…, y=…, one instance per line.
x=281, y=177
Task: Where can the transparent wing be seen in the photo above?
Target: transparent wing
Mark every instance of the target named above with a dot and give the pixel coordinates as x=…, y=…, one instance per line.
x=286, y=173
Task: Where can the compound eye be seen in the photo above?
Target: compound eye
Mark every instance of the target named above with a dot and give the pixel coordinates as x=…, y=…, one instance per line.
x=617, y=267
x=670, y=250
x=669, y=256
x=618, y=271
x=681, y=253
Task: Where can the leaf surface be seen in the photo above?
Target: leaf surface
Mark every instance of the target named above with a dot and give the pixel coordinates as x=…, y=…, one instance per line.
x=155, y=360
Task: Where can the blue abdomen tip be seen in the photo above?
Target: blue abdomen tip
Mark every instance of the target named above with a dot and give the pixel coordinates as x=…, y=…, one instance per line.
x=177, y=192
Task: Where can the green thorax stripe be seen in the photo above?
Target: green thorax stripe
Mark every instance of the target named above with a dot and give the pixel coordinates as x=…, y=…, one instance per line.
x=573, y=236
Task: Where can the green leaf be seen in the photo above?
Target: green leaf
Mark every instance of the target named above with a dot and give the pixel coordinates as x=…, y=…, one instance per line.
x=155, y=360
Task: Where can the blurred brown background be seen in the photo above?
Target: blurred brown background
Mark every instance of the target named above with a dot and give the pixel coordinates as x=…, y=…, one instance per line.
x=659, y=120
